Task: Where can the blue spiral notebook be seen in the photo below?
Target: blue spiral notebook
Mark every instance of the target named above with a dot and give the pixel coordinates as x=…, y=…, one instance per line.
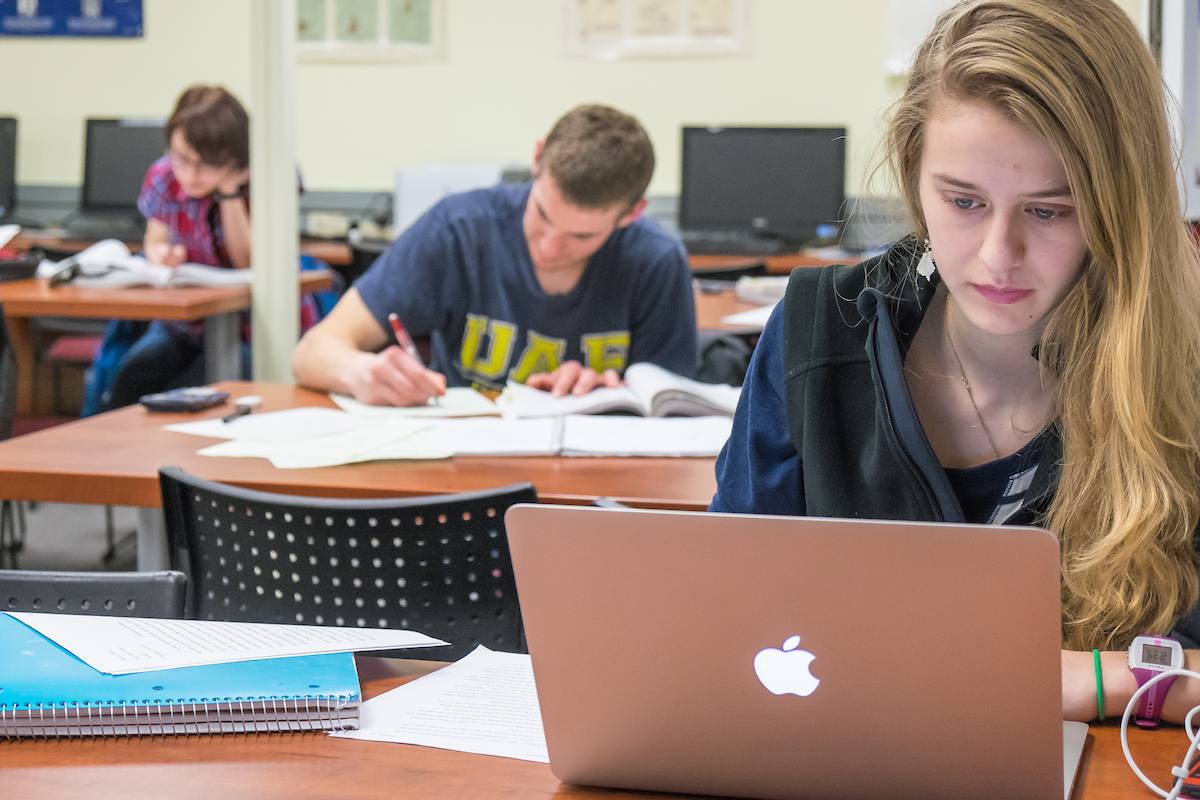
x=47, y=691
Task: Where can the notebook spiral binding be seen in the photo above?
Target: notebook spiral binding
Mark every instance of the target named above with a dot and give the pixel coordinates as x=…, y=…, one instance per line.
x=168, y=717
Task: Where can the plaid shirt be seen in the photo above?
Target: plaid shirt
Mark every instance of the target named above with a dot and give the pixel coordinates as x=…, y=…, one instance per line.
x=195, y=222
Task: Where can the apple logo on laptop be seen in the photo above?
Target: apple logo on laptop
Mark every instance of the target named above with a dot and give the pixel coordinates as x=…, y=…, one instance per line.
x=786, y=671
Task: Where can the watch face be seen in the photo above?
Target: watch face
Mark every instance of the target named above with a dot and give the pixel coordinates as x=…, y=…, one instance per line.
x=1156, y=655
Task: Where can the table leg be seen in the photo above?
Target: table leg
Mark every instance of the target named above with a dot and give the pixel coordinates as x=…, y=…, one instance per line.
x=20, y=340
x=152, y=540
x=222, y=348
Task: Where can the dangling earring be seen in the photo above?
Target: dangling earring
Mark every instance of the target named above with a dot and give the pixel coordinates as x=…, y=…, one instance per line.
x=926, y=267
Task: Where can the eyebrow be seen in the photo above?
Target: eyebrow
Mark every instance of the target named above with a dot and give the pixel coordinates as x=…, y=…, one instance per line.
x=1061, y=191
x=542, y=212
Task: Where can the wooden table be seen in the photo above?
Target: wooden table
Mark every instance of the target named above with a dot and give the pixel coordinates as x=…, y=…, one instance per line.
x=297, y=766
x=218, y=307
x=712, y=305
x=114, y=459
x=780, y=264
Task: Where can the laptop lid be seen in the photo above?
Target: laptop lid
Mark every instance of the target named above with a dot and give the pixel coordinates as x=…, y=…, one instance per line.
x=665, y=650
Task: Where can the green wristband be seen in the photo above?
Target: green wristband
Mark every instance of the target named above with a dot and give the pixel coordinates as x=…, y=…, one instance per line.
x=1099, y=687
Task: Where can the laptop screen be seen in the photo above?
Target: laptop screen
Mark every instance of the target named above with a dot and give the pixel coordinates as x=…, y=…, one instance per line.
x=118, y=153
x=786, y=182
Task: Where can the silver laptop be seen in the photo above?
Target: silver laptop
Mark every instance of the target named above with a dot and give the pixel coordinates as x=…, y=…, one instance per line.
x=779, y=657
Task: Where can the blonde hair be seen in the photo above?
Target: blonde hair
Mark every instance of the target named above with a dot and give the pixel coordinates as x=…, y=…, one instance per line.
x=1121, y=353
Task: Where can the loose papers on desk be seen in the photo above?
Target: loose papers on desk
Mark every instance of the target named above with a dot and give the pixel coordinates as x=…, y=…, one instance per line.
x=310, y=438
x=123, y=645
x=485, y=703
x=754, y=318
x=458, y=401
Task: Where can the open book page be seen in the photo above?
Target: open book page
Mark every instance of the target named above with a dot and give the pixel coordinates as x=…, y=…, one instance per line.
x=289, y=425
x=459, y=401
x=644, y=436
x=122, y=645
x=484, y=703
x=667, y=394
x=519, y=400
x=108, y=264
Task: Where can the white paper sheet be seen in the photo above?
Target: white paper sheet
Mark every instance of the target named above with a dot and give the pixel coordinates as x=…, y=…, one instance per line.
x=492, y=437
x=458, y=401
x=7, y=232
x=644, y=436
x=485, y=703
x=755, y=318
x=290, y=425
x=121, y=645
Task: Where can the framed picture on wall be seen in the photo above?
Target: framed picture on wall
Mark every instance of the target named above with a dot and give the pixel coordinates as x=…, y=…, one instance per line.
x=621, y=29
x=369, y=30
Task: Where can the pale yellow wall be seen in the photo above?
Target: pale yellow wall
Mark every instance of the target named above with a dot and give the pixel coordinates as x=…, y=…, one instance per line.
x=502, y=82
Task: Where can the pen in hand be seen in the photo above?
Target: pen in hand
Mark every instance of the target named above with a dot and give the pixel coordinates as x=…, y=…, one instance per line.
x=406, y=343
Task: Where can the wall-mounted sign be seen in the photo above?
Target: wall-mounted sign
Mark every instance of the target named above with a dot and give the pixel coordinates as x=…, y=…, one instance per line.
x=110, y=18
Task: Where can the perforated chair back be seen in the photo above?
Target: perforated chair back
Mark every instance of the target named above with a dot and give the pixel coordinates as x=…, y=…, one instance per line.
x=113, y=594
x=439, y=565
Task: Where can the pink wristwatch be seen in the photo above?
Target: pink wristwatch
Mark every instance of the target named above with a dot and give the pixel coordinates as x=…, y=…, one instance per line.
x=1150, y=656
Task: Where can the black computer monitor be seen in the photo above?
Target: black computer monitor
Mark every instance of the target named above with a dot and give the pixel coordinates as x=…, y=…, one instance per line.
x=783, y=182
x=116, y=156
x=8, y=166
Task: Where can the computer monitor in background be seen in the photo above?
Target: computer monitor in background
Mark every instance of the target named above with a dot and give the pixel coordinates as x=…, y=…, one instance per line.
x=780, y=182
x=117, y=154
x=8, y=166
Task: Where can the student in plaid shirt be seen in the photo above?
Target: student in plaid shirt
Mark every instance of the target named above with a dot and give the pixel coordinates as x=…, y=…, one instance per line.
x=196, y=203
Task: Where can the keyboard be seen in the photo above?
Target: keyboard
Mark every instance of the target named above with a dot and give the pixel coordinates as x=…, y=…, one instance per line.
x=732, y=243
x=94, y=226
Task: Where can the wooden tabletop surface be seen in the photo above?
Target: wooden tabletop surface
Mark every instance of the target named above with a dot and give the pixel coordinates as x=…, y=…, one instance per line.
x=34, y=297
x=297, y=766
x=114, y=459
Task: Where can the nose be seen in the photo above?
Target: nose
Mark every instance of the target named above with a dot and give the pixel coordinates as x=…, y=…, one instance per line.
x=552, y=244
x=1003, y=246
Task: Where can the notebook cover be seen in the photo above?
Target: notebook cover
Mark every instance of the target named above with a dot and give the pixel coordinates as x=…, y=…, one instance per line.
x=35, y=671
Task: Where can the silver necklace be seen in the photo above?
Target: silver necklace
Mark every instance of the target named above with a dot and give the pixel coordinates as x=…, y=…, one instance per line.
x=966, y=383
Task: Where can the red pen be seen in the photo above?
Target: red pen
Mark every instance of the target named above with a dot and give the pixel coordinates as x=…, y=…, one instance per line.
x=404, y=340
x=406, y=343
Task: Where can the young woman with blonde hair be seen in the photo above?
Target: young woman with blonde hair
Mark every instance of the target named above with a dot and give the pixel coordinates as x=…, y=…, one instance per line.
x=1031, y=354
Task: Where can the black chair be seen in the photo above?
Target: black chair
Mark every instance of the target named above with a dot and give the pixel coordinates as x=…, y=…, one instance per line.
x=439, y=565
x=111, y=594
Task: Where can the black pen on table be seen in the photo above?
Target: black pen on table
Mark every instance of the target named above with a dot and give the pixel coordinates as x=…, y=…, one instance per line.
x=406, y=343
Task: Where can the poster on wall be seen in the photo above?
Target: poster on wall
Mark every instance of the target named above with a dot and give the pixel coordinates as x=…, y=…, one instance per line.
x=87, y=18
x=618, y=29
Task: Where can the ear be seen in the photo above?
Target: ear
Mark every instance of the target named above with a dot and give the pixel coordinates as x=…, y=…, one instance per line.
x=538, y=147
x=631, y=216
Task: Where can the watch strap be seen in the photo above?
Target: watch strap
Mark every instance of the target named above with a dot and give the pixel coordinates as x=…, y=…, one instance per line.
x=1149, y=712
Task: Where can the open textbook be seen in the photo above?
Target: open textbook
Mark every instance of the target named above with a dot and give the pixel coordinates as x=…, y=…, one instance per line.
x=108, y=264
x=649, y=391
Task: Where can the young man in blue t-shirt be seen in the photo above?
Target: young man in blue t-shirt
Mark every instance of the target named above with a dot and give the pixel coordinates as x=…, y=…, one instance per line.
x=559, y=283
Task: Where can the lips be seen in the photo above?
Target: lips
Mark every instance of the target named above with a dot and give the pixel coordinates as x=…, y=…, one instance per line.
x=994, y=294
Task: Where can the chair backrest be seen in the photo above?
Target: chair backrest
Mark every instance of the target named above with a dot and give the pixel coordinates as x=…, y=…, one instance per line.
x=112, y=594
x=439, y=565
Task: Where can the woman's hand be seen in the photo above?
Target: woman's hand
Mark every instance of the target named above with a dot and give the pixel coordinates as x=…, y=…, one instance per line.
x=233, y=180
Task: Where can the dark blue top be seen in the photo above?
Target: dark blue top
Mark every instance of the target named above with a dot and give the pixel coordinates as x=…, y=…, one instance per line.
x=462, y=275
x=759, y=470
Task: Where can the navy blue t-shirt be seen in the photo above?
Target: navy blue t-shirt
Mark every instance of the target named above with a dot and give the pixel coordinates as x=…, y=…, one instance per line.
x=462, y=275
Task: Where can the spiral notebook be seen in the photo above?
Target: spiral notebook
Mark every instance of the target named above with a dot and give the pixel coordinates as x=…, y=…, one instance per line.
x=45, y=691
